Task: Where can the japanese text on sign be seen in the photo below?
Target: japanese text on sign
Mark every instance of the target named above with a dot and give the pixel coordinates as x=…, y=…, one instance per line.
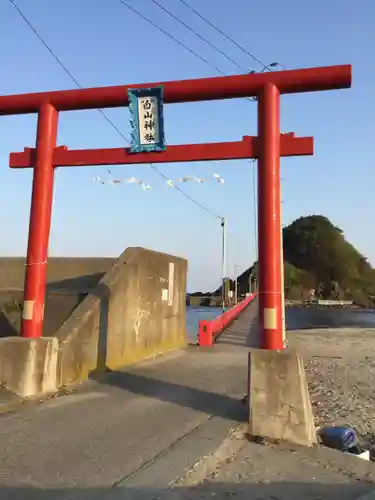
x=148, y=120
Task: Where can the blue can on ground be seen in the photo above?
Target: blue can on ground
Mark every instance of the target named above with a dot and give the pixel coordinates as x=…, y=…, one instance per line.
x=342, y=438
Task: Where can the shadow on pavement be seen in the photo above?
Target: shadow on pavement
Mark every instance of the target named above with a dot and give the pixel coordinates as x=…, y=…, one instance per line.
x=219, y=405
x=208, y=490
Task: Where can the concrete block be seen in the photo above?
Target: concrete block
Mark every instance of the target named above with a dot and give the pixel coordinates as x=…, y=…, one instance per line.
x=28, y=366
x=137, y=311
x=279, y=401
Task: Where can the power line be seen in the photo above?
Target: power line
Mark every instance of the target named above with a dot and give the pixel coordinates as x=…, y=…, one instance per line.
x=265, y=66
x=113, y=125
x=192, y=30
x=176, y=40
x=225, y=35
x=58, y=60
x=46, y=46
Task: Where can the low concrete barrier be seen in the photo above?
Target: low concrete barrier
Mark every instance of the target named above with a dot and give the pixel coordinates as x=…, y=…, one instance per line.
x=28, y=366
x=278, y=397
x=136, y=311
x=209, y=330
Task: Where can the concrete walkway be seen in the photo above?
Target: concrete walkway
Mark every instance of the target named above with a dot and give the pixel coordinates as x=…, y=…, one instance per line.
x=140, y=428
x=133, y=434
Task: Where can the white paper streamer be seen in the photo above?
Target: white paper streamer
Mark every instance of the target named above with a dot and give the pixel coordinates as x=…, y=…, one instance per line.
x=130, y=180
x=145, y=186
x=219, y=179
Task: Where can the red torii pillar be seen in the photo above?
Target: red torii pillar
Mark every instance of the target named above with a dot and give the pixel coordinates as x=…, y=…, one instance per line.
x=266, y=86
x=269, y=219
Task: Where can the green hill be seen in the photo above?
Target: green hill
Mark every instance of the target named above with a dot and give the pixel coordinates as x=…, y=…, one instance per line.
x=317, y=256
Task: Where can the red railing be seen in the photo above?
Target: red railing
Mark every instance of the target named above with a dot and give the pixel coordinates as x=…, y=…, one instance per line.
x=209, y=330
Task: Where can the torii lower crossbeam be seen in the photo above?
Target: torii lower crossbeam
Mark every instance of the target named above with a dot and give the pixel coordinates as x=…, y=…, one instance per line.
x=245, y=149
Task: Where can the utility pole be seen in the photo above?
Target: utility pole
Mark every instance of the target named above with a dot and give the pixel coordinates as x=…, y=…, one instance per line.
x=223, y=262
x=236, y=284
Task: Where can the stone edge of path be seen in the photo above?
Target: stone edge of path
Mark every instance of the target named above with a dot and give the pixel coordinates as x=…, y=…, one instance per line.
x=197, y=455
x=12, y=403
x=191, y=458
x=227, y=449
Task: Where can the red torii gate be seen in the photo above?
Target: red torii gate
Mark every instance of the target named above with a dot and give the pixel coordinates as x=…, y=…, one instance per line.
x=267, y=147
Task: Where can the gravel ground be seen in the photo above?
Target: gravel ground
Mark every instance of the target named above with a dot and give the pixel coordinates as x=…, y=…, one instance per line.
x=275, y=472
x=340, y=366
x=270, y=472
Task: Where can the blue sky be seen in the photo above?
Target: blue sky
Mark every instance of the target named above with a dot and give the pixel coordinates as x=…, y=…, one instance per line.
x=103, y=43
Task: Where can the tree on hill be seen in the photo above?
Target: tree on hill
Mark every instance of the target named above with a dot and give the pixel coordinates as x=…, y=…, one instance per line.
x=315, y=245
x=317, y=256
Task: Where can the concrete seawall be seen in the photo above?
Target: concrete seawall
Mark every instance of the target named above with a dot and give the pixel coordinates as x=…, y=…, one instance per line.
x=63, y=272
x=60, y=304
x=68, y=282
x=137, y=310
x=194, y=301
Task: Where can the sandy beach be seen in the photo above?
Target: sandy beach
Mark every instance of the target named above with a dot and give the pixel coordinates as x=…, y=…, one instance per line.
x=340, y=365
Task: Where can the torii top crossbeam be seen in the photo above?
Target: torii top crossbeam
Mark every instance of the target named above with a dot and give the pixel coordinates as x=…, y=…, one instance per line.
x=287, y=82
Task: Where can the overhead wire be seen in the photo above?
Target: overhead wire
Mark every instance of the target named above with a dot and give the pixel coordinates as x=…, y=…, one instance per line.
x=146, y=19
x=265, y=67
x=58, y=60
x=176, y=40
x=166, y=33
x=225, y=35
x=113, y=125
x=271, y=66
x=192, y=30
